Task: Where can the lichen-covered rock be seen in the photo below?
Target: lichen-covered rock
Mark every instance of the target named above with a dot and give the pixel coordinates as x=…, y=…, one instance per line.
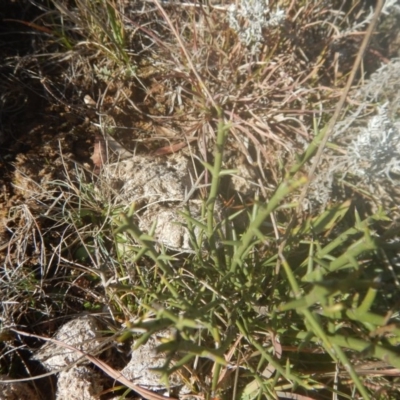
x=147, y=179
x=79, y=383
x=144, y=359
x=170, y=224
x=160, y=188
x=81, y=333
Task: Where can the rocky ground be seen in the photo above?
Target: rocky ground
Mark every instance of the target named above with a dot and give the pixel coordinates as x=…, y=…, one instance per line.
x=54, y=140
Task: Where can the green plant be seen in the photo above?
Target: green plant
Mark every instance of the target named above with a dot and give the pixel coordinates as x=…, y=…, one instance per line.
x=240, y=295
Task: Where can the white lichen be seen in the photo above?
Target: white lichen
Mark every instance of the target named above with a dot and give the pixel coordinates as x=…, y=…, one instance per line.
x=250, y=18
x=370, y=144
x=375, y=152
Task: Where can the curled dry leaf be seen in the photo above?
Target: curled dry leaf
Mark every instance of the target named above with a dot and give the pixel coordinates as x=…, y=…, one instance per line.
x=99, y=156
x=90, y=103
x=102, y=148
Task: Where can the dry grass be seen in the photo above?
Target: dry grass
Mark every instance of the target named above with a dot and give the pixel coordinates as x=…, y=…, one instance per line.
x=236, y=91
